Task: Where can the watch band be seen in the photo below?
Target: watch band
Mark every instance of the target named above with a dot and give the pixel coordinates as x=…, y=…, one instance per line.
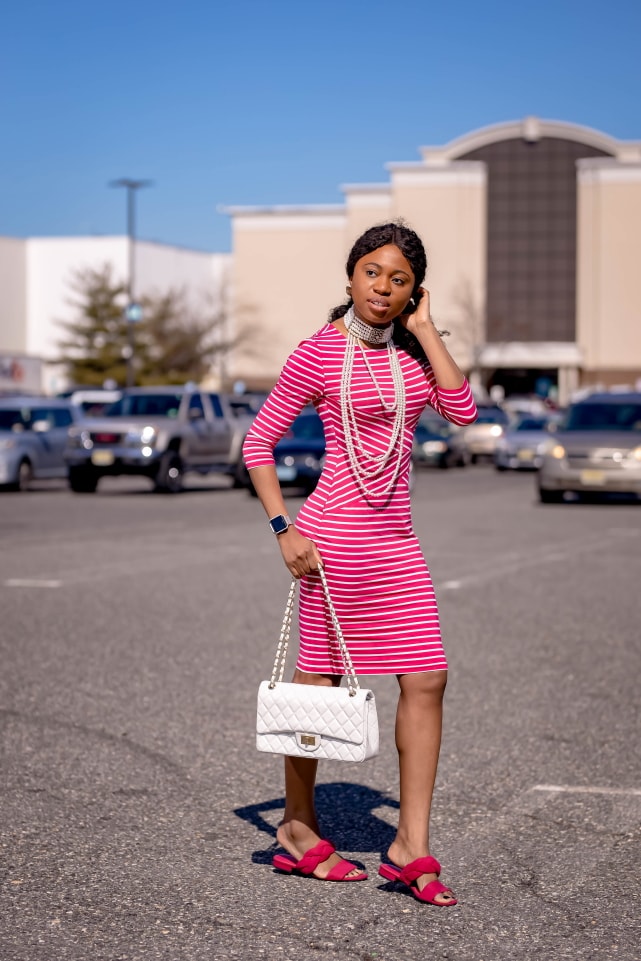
x=280, y=523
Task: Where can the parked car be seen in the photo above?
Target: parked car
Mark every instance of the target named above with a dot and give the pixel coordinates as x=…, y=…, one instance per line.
x=300, y=454
x=93, y=403
x=596, y=449
x=481, y=437
x=437, y=443
x=522, y=445
x=160, y=433
x=33, y=434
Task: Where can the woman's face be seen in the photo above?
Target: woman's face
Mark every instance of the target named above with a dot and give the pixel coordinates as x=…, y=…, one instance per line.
x=382, y=285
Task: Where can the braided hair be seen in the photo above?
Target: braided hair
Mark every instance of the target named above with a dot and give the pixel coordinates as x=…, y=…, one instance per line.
x=411, y=246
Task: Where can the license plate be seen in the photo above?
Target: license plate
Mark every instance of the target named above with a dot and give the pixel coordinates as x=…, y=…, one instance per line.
x=592, y=477
x=285, y=473
x=102, y=458
x=525, y=455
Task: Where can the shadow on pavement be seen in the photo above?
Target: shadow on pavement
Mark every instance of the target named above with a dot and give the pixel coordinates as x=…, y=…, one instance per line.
x=346, y=812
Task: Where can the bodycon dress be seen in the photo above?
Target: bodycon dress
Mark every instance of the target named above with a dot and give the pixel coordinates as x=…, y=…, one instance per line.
x=378, y=578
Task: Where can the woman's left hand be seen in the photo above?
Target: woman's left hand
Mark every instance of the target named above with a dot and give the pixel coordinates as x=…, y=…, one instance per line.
x=421, y=316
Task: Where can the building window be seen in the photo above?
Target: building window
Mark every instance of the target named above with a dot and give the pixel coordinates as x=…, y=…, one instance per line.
x=531, y=242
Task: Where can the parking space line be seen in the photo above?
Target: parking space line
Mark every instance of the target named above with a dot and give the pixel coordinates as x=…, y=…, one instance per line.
x=30, y=582
x=588, y=789
x=540, y=556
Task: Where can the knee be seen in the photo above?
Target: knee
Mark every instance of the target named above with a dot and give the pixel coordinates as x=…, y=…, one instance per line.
x=428, y=686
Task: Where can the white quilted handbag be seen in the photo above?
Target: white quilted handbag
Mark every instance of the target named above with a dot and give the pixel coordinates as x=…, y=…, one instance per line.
x=306, y=720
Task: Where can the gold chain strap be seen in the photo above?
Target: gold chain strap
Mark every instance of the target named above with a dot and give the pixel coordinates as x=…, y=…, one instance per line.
x=285, y=632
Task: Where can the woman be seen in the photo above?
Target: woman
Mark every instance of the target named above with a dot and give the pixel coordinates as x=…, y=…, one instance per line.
x=369, y=372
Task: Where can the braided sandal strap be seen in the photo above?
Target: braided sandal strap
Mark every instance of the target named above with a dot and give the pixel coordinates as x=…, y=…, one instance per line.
x=414, y=869
x=315, y=856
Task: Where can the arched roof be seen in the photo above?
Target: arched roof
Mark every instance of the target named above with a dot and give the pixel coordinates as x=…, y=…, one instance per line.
x=530, y=129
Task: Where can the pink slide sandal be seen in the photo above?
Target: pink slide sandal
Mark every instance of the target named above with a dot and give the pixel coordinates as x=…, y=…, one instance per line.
x=312, y=858
x=411, y=872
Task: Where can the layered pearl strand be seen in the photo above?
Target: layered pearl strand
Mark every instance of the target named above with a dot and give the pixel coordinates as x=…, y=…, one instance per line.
x=368, y=467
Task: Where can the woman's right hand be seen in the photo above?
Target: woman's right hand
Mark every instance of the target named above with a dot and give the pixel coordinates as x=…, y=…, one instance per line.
x=299, y=553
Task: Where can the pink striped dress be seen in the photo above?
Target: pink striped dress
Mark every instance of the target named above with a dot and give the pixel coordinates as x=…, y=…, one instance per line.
x=379, y=581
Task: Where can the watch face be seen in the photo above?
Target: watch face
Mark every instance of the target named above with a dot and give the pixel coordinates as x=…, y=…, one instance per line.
x=279, y=524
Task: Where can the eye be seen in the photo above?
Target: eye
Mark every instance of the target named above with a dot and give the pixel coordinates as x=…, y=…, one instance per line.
x=370, y=272
x=399, y=281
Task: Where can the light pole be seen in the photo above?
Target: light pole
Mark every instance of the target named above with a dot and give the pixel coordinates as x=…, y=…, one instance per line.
x=133, y=312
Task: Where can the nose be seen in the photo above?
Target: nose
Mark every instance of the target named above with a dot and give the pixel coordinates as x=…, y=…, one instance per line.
x=382, y=285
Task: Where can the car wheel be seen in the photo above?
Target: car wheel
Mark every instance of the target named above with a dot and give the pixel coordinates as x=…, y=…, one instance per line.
x=473, y=458
x=550, y=497
x=169, y=478
x=25, y=476
x=82, y=480
x=240, y=476
x=500, y=467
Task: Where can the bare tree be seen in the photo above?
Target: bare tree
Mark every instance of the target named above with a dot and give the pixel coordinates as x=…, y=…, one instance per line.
x=470, y=326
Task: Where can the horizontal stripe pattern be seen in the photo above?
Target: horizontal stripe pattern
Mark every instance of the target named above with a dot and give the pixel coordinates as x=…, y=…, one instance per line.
x=379, y=581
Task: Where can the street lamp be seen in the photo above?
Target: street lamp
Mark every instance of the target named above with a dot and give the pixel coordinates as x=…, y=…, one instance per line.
x=133, y=312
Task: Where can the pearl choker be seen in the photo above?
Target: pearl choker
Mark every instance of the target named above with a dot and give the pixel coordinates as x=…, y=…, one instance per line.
x=368, y=467
x=363, y=331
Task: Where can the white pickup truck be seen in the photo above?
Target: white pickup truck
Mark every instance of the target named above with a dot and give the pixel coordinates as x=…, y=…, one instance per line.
x=160, y=433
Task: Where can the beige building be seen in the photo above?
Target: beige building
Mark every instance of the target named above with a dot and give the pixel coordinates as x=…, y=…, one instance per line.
x=533, y=235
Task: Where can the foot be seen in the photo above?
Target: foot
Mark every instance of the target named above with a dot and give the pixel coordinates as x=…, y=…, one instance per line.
x=401, y=857
x=297, y=839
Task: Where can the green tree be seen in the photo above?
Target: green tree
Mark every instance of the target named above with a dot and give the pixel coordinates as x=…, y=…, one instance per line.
x=93, y=348
x=173, y=343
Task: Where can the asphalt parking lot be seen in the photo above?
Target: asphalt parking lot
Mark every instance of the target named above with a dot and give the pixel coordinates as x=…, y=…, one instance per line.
x=138, y=821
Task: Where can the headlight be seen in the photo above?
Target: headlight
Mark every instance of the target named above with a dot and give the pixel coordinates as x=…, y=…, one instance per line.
x=557, y=451
x=496, y=430
x=635, y=454
x=311, y=461
x=6, y=443
x=434, y=446
x=146, y=437
x=76, y=437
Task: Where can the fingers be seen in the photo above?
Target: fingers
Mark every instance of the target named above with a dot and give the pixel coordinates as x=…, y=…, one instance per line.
x=301, y=555
x=424, y=303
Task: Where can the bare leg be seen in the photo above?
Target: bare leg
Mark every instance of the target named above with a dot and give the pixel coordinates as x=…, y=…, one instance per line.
x=418, y=740
x=299, y=830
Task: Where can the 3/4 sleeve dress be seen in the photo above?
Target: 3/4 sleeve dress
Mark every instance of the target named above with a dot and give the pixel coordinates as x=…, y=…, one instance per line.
x=378, y=578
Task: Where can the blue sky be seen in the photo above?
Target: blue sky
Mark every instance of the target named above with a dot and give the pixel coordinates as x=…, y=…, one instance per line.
x=249, y=102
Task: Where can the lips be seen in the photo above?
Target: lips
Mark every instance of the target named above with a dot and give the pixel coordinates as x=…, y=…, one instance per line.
x=378, y=306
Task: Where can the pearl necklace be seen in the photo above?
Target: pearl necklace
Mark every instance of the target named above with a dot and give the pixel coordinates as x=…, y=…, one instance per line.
x=367, y=467
x=367, y=332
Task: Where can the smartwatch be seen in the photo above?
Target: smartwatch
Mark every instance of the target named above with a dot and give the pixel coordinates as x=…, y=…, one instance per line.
x=280, y=523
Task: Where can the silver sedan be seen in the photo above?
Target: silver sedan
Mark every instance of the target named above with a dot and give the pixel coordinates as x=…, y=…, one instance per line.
x=597, y=449
x=522, y=446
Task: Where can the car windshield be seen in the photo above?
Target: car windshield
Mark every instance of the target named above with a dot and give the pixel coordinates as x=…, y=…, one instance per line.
x=145, y=405
x=492, y=415
x=94, y=408
x=432, y=427
x=307, y=427
x=9, y=419
x=608, y=416
x=532, y=423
